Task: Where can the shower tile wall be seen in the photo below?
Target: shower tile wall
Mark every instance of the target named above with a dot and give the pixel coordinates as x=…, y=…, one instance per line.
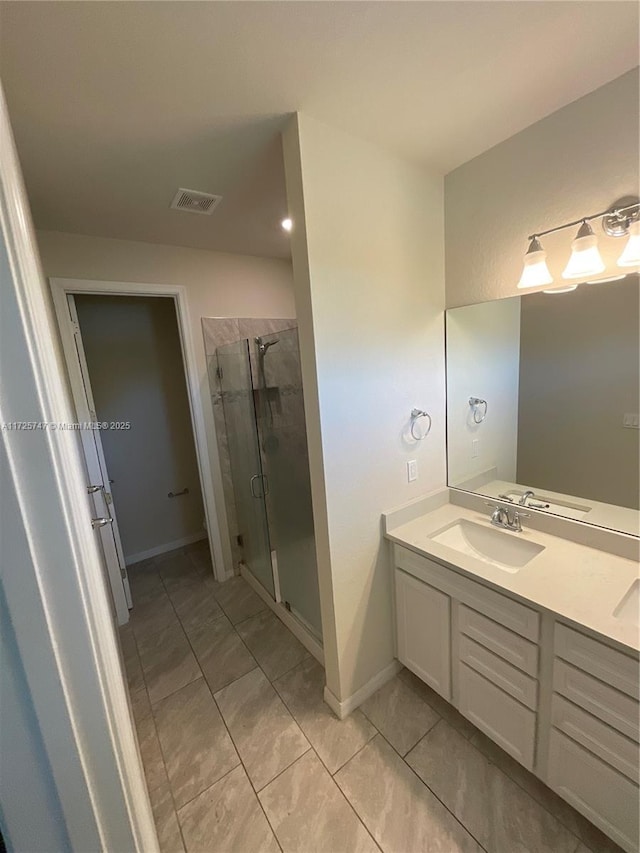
x=217, y=332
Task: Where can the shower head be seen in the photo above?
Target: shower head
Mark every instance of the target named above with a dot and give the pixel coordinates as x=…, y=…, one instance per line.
x=263, y=347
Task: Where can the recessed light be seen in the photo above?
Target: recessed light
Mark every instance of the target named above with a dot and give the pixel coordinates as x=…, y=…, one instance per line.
x=287, y=224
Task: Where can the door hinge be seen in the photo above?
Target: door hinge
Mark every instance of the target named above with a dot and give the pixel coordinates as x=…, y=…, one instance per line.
x=240, y=540
x=123, y=572
x=219, y=372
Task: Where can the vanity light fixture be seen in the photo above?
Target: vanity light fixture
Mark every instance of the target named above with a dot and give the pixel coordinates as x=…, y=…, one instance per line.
x=620, y=220
x=567, y=288
x=535, y=271
x=630, y=257
x=585, y=258
x=287, y=224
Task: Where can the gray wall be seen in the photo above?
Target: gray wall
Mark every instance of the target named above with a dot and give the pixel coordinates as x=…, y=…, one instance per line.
x=579, y=375
x=137, y=374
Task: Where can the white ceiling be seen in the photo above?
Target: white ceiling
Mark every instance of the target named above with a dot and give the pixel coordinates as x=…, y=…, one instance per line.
x=117, y=104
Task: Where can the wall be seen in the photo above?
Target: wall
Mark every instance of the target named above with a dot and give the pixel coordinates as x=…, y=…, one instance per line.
x=137, y=374
x=217, y=285
x=483, y=354
x=577, y=161
x=579, y=375
x=367, y=251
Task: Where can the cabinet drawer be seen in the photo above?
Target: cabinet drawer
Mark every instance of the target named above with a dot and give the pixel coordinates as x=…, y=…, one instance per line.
x=501, y=641
x=607, y=664
x=599, y=792
x=615, y=708
x=519, y=618
x=598, y=737
x=507, y=722
x=514, y=682
x=423, y=617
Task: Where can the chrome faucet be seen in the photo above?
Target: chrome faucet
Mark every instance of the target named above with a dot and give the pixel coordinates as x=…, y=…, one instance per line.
x=525, y=497
x=507, y=517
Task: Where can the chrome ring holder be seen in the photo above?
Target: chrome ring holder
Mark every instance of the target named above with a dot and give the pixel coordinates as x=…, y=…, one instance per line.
x=479, y=409
x=416, y=414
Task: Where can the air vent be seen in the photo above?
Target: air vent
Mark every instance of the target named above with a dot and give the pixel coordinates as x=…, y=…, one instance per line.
x=195, y=202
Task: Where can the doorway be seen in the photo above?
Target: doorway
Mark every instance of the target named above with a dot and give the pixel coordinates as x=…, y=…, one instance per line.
x=129, y=378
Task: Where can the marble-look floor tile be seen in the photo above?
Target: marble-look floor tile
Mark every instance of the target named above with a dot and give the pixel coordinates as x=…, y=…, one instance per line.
x=238, y=600
x=196, y=746
x=140, y=705
x=593, y=838
x=308, y=812
x=271, y=643
x=152, y=616
x=145, y=588
x=494, y=809
x=166, y=820
x=127, y=639
x=398, y=810
x=152, y=761
x=133, y=671
x=399, y=714
x=442, y=708
x=195, y=604
x=167, y=662
x=222, y=655
x=200, y=556
x=335, y=741
x=227, y=818
x=266, y=735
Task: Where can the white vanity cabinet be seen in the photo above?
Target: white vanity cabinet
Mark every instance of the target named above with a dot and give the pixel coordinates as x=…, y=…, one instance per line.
x=593, y=746
x=561, y=702
x=424, y=628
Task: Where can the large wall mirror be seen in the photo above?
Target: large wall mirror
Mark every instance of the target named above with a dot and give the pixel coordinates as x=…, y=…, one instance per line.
x=543, y=402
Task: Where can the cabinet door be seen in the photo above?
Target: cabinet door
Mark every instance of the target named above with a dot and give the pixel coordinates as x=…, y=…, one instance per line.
x=600, y=793
x=423, y=617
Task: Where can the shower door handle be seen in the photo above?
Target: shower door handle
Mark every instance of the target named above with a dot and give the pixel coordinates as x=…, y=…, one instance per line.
x=251, y=482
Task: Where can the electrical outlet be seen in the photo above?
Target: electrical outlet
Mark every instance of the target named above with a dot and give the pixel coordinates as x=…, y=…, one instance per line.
x=412, y=470
x=475, y=448
x=631, y=421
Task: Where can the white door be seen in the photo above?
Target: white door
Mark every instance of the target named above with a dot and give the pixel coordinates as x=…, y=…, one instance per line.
x=98, y=485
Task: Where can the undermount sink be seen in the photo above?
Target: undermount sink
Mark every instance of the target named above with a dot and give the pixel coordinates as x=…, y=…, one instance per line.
x=628, y=609
x=502, y=549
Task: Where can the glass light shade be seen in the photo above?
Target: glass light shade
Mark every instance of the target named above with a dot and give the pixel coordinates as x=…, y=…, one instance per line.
x=630, y=257
x=566, y=289
x=535, y=272
x=585, y=258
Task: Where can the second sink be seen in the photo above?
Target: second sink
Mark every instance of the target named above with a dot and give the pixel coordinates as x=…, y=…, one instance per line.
x=505, y=550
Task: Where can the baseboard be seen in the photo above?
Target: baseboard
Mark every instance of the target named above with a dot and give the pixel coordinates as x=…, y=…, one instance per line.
x=348, y=705
x=297, y=629
x=161, y=549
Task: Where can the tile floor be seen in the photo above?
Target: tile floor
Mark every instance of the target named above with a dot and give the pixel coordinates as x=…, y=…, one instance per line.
x=242, y=755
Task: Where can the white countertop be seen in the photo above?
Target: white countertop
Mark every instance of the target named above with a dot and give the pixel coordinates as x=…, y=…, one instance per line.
x=580, y=584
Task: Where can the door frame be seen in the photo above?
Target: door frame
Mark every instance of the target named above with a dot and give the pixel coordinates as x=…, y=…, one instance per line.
x=52, y=582
x=61, y=287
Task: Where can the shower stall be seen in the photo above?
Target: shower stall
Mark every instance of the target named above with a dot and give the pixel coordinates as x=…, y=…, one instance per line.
x=260, y=385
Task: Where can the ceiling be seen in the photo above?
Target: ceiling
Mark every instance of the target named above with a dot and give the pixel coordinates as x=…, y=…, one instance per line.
x=117, y=104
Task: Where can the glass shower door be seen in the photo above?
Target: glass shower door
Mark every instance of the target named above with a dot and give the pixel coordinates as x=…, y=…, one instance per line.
x=246, y=470
x=285, y=458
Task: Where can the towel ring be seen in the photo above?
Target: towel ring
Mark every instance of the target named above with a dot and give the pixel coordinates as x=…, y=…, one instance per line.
x=416, y=414
x=479, y=414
